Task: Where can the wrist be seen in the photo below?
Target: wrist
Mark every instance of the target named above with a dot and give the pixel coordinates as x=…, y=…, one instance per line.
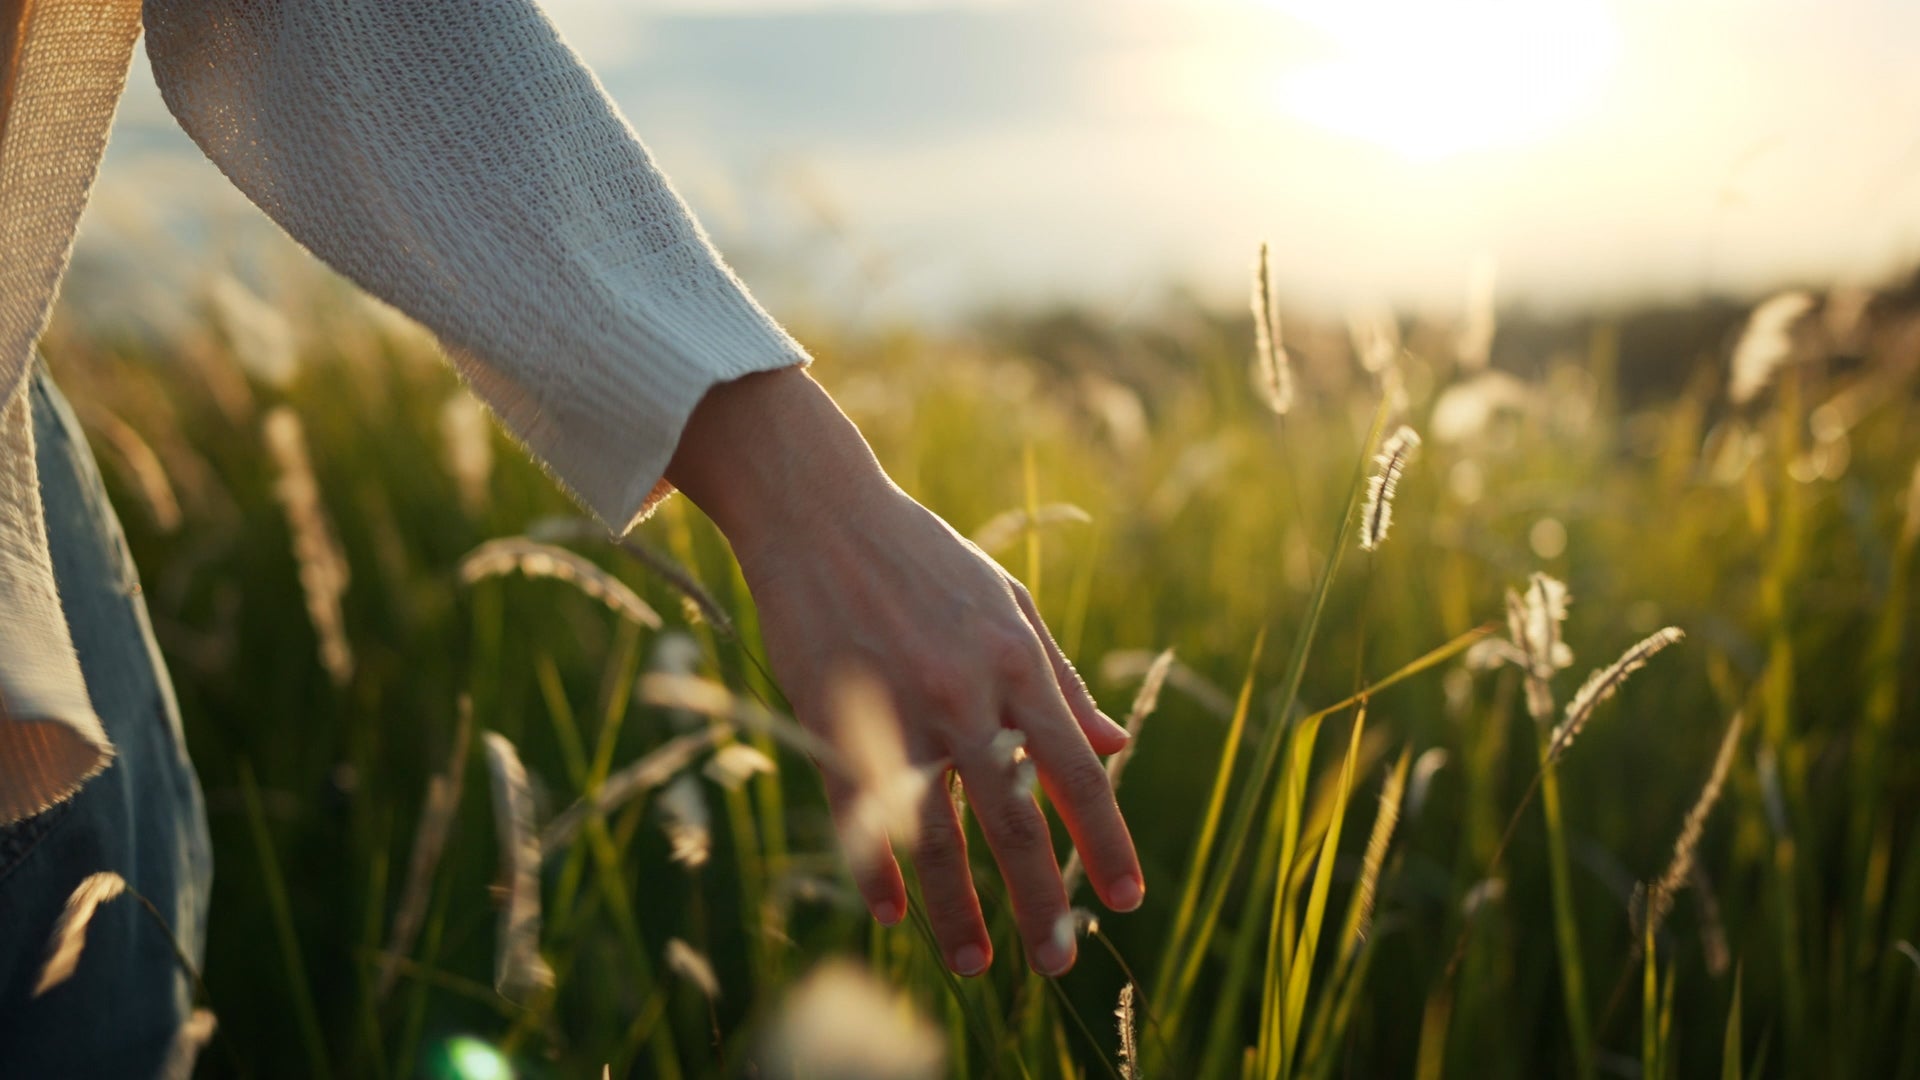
x=770, y=458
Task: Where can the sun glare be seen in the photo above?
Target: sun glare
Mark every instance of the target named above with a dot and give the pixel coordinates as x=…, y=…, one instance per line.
x=1429, y=81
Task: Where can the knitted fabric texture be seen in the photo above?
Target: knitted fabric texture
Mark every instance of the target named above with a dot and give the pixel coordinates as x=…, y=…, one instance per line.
x=456, y=160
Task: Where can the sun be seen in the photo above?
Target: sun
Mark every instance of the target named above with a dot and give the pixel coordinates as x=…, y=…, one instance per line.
x=1432, y=80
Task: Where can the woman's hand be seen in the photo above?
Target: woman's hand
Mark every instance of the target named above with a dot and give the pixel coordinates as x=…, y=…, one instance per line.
x=852, y=577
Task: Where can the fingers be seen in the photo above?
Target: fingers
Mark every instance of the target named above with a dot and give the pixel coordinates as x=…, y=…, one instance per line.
x=946, y=883
x=1077, y=785
x=1023, y=849
x=863, y=836
x=1102, y=733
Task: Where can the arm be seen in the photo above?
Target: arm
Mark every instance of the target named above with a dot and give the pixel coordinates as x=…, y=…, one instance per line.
x=456, y=160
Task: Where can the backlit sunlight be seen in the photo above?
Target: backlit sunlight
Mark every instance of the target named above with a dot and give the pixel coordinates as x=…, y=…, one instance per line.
x=1432, y=80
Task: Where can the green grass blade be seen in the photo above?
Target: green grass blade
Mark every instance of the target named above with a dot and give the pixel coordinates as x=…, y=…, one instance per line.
x=1300, y=975
x=300, y=990
x=1730, y=1042
x=1248, y=807
x=1209, y=824
x=1566, y=924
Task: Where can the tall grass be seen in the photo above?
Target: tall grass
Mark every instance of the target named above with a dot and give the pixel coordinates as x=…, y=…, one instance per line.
x=1295, y=924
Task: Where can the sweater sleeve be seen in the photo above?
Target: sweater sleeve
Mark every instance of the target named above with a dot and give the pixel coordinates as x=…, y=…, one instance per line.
x=456, y=159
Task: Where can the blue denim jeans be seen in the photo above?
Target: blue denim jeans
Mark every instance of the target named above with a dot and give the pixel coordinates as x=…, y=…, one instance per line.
x=142, y=818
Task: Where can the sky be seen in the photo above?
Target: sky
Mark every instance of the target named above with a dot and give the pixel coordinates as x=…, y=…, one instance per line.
x=926, y=159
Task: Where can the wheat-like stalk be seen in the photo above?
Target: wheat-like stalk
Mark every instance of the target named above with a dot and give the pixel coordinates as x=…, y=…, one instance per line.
x=1659, y=897
x=687, y=822
x=323, y=566
x=690, y=964
x=1129, y=1034
x=69, y=937
x=1602, y=684
x=519, y=555
x=694, y=694
x=628, y=783
x=1276, y=370
x=1533, y=622
x=1766, y=345
x=1004, y=528
x=148, y=474
x=888, y=788
x=734, y=764
x=1389, y=464
x=518, y=966
x=842, y=1022
x=466, y=448
x=436, y=821
x=1377, y=843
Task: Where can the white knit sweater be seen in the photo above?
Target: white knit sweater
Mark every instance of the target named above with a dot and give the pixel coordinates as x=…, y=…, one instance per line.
x=455, y=159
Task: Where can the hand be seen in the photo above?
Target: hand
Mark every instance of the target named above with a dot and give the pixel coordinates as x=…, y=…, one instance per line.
x=851, y=574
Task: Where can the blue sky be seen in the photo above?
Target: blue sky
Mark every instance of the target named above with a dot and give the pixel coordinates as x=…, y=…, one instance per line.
x=922, y=159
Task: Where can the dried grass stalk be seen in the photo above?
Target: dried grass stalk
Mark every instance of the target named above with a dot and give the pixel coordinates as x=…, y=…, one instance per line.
x=690, y=964
x=69, y=937
x=735, y=763
x=1767, y=344
x=1129, y=1035
x=520, y=555
x=436, y=822
x=323, y=566
x=888, y=787
x=691, y=693
x=1659, y=897
x=841, y=1022
x=1377, y=843
x=687, y=822
x=519, y=968
x=1602, y=684
x=627, y=784
x=466, y=447
x=1389, y=465
x=1002, y=529
x=1276, y=369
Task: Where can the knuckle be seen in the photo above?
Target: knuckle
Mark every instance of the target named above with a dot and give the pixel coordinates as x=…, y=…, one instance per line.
x=1085, y=779
x=943, y=684
x=1010, y=651
x=1020, y=827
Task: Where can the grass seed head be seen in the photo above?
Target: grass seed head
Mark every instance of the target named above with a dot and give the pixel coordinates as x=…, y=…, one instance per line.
x=842, y=1022
x=531, y=558
x=1767, y=344
x=1389, y=465
x=690, y=964
x=1680, y=866
x=687, y=821
x=1275, y=368
x=316, y=548
x=519, y=969
x=69, y=937
x=1602, y=684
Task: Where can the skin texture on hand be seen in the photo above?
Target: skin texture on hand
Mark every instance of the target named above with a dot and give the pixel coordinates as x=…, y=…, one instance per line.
x=851, y=575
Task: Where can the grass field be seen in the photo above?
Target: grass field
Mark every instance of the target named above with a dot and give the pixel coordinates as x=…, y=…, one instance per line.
x=1296, y=923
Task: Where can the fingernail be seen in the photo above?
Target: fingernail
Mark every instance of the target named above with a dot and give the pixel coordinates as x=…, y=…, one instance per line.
x=1053, y=958
x=1118, y=731
x=1127, y=894
x=886, y=912
x=969, y=960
